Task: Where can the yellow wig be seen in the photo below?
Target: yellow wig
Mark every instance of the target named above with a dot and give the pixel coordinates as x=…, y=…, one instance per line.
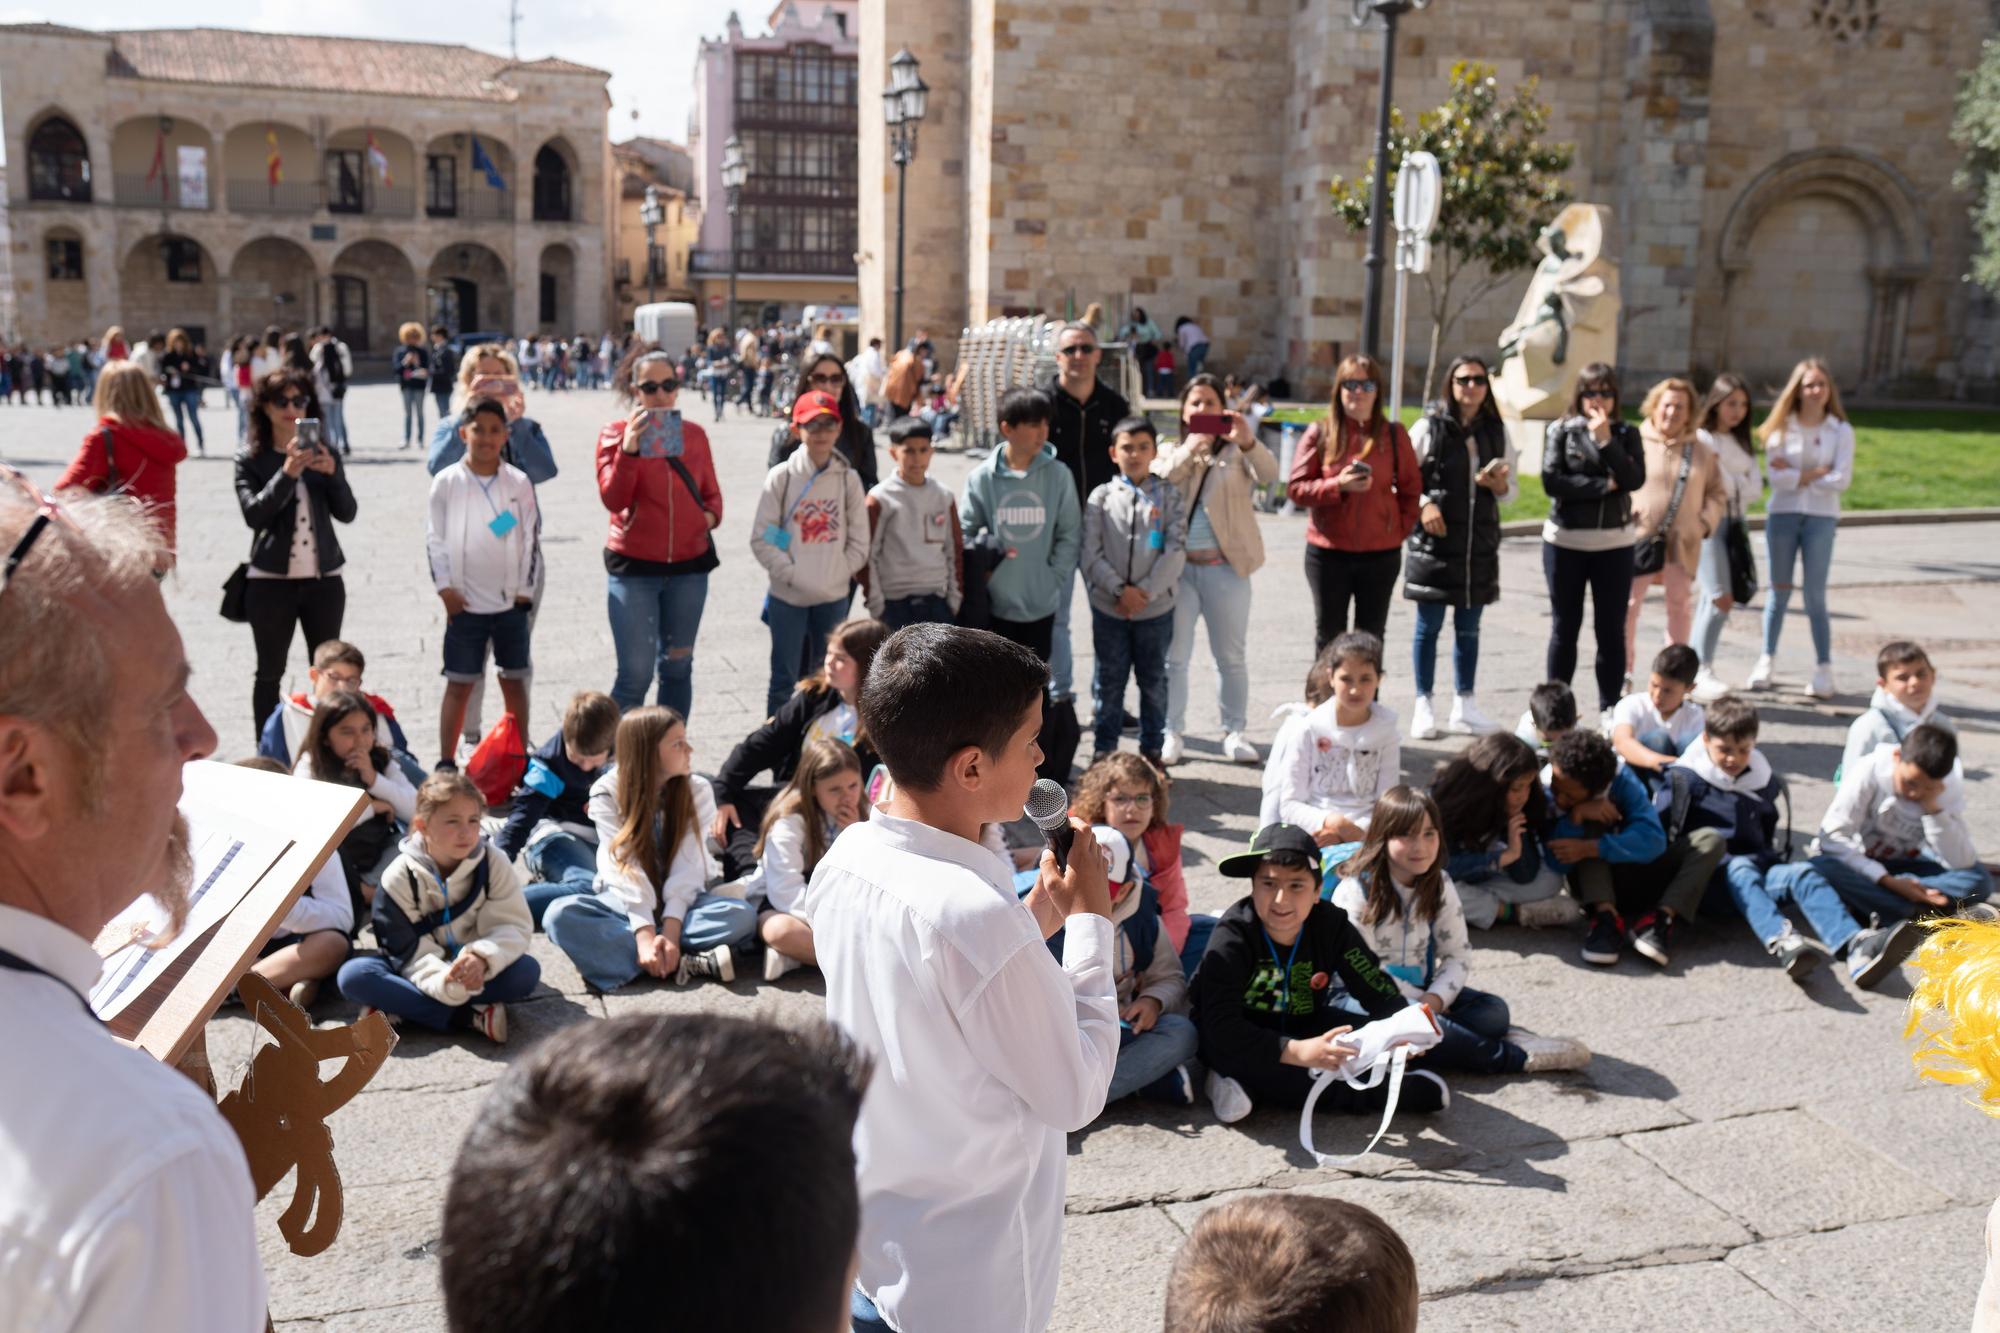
x=1956, y=1004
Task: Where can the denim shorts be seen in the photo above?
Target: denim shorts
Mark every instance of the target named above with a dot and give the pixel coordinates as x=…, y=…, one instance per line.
x=467, y=634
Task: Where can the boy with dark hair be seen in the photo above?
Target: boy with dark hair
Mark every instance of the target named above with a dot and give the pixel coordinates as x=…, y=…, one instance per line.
x=548, y=828
x=1025, y=497
x=631, y=1158
x=1267, y=1015
x=1651, y=728
x=1603, y=818
x=937, y=971
x=1551, y=712
x=916, y=554
x=1292, y=1262
x=336, y=665
x=1905, y=697
x=1134, y=547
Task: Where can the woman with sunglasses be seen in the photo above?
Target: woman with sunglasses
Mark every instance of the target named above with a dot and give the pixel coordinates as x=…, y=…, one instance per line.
x=1453, y=558
x=1356, y=475
x=1592, y=463
x=659, y=553
x=827, y=374
x=291, y=492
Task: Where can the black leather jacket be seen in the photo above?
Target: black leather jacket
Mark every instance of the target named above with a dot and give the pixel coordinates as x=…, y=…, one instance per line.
x=1575, y=469
x=269, y=500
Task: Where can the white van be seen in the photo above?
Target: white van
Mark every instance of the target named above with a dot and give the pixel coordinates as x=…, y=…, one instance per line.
x=672, y=325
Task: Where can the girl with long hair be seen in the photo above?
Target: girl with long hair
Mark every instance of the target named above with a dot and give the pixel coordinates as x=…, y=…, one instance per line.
x=1723, y=424
x=1495, y=817
x=652, y=913
x=1667, y=433
x=341, y=746
x=823, y=798
x=1356, y=474
x=130, y=450
x=1399, y=897
x=1809, y=446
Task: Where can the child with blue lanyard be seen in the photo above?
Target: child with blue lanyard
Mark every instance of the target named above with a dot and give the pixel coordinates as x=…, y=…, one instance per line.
x=451, y=922
x=1134, y=545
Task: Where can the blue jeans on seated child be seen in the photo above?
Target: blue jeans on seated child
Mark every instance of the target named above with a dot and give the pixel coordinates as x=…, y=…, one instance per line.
x=862, y=1315
x=1864, y=896
x=653, y=617
x=798, y=640
x=467, y=634
x=1200, y=927
x=1483, y=898
x=923, y=609
x=374, y=981
x=1126, y=648
x=1464, y=645
x=1145, y=1058
x=1659, y=742
x=593, y=931
x=1758, y=893
x=561, y=865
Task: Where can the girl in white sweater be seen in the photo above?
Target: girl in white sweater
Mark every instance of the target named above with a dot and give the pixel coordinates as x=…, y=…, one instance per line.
x=1724, y=426
x=1811, y=451
x=823, y=798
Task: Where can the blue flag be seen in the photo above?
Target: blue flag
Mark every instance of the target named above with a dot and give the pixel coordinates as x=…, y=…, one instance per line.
x=481, y=162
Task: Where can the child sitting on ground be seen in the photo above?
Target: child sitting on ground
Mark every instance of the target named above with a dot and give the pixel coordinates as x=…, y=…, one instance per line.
x=1603, y=819
x=341, y=745
x=1551, y=712
x=916, y=554
x=548, y=828
x=1130, y=794
x=1905, y=697
x=312, y=941
x=1265, y=1025
x=335, y=666
x=450, y=922
x=823, y=798
x=1496, y=816
x=1027, y=498
x=1326, y=776
x=1406, y=909
x=1156, y=1039
x=1282, y=1262
x=1291, y=717
x=1652, y=728
x=1727, y=784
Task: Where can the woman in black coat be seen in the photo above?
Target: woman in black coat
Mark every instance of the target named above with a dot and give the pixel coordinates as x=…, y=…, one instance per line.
x=857, y=443
x=1452, y=559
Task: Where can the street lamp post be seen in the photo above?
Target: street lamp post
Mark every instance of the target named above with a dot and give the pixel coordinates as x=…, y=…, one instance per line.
x=1378, y=204
x=903, y=104
x=735, y=171
x=652, y=214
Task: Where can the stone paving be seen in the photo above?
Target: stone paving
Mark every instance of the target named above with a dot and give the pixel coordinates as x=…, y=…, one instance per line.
x=1743, y=1153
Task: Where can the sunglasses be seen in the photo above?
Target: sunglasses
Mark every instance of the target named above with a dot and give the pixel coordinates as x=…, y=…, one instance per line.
x=1077, y=349
x=1357, y=386
x=657, y=386
x=1470, y=381
x=46, y=511
x=833, y=378
x=292, y=400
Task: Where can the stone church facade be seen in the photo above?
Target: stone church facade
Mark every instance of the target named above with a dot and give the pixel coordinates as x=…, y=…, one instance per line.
x=1779, y=170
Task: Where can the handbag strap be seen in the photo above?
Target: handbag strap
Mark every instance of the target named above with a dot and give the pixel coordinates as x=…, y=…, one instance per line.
x=1680, y=489
x=110, y=464
x=681, y=470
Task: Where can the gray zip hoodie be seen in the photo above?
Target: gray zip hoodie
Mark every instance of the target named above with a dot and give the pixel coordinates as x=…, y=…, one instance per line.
x=1134, y=534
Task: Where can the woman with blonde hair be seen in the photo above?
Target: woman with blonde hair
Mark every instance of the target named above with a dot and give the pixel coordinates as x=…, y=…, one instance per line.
x=1680, y=503
x=130, y=450
x=1809, y=446
x=412, y=363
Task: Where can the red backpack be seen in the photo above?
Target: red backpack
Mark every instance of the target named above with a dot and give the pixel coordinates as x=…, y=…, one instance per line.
x=498, y=761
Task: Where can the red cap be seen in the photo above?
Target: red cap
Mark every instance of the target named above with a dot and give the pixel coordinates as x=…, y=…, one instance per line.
x=812, y=404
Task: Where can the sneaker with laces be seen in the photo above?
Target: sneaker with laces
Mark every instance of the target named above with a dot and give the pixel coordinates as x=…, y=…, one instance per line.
x=1227, y=1097
x=491, y=1020
x=1876, y=953
x=1821, y=686
x=1423, y=720
x=1653, y=936
x=303, y=993
x=393, y=1020
x=1546, y=913
x=777, y=964
x=1467, y=720
x=1797, y=954
x=1172, y=751
x=1237, y=749
x=1548, y=1055
x=1760, y=675
x=1605, y=940
x=719, y=963
x=1708, y=687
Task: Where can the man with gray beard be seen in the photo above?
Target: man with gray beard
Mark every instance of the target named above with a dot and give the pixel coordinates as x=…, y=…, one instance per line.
x=125, y=1201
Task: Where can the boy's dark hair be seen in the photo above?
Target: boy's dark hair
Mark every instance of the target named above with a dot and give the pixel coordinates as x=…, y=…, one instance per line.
x=1584, y=757
x=1553, y=707
x=1899, y=652
x=657, y=1140
x=1292, y=1262
x=1136, y=424
x=1356, y=644
x=1286, y=859
x=1931, y=748
x=590, y=723
x=1677, y=662
x=1731, y=718
x=1024, y=407
x=440, y=331
x=338, y=652
x=484, y=403
x=902, y=428
x=932, y=690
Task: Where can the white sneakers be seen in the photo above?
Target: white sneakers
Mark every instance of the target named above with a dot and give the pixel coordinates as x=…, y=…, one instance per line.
x=1760, y=675
x=1467, y=720
x=1708, y=687
x=1547, y=1055
x=1822, y=686
x=777, y=964
x=1237, y=750
x=1549, y=913
x=1172, y=751
x=1423, y=720
x=1226, y=1097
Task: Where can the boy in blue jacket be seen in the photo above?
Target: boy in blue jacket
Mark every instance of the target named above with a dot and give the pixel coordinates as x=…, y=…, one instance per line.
x=1603, y=818
x=1027, y=498
x=548, y=816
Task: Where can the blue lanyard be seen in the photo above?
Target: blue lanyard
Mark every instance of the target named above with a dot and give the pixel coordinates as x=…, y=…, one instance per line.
x=486, y=489
x=793, y=512
x=450, y=940
x=1285, y=969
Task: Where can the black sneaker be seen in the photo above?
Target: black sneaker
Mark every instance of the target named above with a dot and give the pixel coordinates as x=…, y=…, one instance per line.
x=1797, y=954
x=1878, y=951
x=1653, y=936
x=1606, y=938
x=445, y=766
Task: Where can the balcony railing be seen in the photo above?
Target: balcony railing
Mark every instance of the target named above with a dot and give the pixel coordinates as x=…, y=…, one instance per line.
x=486, y=205
x=816, y=262
x=763, y=114
x=762, y=188
x=260, y=196
x=133, y=190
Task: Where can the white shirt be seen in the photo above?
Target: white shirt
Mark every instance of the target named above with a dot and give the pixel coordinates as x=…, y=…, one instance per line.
x=125, y=1202
x=1740, y=478
x=491, y=570
x=1829, y=444
x=325, y=905
x=645, y=903
x=987, y=1052
x=1636, y=711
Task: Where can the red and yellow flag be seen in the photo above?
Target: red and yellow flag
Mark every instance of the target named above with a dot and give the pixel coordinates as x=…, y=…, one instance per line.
x=273, y=163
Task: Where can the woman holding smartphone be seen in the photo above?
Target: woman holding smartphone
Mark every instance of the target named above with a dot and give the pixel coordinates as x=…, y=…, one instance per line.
x=1453, y=558
x=1216, y=465
x=659, y=484
x=1810, y=447
x=292, y=489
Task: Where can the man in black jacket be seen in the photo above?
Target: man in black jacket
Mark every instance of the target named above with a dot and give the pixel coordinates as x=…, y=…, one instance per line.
x=1084, y=411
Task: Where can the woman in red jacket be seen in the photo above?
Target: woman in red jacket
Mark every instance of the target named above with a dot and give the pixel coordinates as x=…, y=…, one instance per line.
x=130, y=450
x=1356, y=474
x=658, y=556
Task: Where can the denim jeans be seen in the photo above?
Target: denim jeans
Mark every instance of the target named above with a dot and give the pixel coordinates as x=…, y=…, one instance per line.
x=1607, y=577
x=1464, y=645
x=374, y=981
x=188, y=401
x=242, y=405
x=922, y=609
x=654, y=616
x=1220, y=596
x=1197, y=357
x=1864, y=897
x=1659, y=741
x=1759, y=893
x=1200, y=927
x=561, y=865
x=862, y=1315
x=1482, y=899
x=1126, y=648
x=1787, y=539
x=1062, y=662
x=798, y=637
x=593, y=931
x=1712, y=579
x=1144, y=1058
x=443, y=397
x=718, y=389
x=413, y=413
x=335, y=412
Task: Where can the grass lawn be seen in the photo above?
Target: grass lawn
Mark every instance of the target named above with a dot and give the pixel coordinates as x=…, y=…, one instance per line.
x=1904, y=459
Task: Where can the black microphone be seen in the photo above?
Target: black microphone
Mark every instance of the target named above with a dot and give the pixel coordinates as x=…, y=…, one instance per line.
x=1048, y=806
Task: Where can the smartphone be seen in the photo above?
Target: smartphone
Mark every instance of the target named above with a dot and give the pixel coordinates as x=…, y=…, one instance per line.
x=1211, y=423
x=308, y=436
x=1487, y=470
x=1361, y=468
x=504, y=387
x=660, y=435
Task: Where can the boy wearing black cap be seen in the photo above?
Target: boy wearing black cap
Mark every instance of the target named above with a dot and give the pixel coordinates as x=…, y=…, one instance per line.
x=1264, y=993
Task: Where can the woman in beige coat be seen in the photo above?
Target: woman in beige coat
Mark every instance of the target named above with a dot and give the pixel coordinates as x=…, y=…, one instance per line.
x=1669, y=434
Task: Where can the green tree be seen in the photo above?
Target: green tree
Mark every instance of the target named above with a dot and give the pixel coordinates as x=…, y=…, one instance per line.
x=1976, y=129
x=1501, y=184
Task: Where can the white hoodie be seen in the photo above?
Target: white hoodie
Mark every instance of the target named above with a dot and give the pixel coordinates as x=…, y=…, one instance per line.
x=1751, y=781
x=1403, y=942
x=1885, y=723
x=823, y=516
x=1319, y=768
x=1868, y=823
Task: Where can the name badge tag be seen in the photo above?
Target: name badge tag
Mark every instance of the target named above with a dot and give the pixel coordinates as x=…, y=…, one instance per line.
x=777, y=536
x=503, y=523
x=1156, y=539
